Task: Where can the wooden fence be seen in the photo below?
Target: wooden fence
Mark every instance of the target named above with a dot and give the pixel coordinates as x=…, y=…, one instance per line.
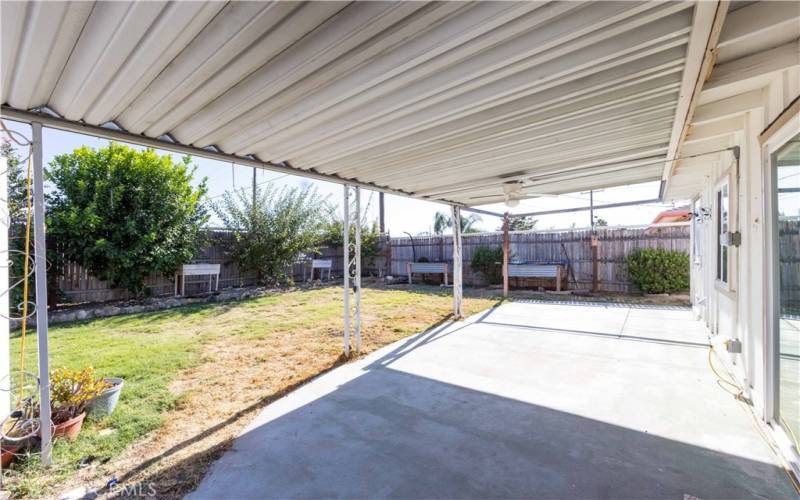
x=571, y=247
x=789, y=269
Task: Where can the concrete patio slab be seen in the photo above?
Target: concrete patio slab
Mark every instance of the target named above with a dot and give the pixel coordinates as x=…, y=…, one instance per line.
x=530, y=400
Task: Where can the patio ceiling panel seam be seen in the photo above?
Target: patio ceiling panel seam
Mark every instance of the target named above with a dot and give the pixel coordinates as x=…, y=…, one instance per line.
x=396, y=65
x=338, y=36
x=482, y=144
x=446, y=70
x=552, y=69
x=438, y=115
x=528, y=116
x=218, y=45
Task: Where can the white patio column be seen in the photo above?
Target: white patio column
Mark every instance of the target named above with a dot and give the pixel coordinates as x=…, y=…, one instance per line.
x=357, y=276
x=40, y=253
x=5, y=295
x=458, y=303
x=346, y=262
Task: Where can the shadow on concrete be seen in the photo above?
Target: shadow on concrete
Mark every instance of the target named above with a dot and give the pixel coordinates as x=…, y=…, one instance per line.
x=392, y=434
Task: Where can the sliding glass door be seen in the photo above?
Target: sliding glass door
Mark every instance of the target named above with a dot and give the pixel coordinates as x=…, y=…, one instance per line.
x=786, y=217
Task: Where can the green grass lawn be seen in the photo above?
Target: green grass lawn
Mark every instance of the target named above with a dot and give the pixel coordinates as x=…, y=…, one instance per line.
x=151, y=350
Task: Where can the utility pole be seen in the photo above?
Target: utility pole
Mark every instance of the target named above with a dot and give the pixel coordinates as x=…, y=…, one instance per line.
x=254, y=191
x=381, y=219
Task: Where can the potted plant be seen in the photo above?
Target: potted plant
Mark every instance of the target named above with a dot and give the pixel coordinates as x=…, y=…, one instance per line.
x=105, y=403
x=70, y=392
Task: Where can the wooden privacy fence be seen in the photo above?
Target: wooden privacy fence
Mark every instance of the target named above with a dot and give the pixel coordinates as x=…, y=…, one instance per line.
x=789, y=268
x=77, y=285
x=571, y=247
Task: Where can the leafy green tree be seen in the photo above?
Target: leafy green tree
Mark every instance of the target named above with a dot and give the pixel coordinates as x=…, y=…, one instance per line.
x=124, y=214
x=600, y=222
x=270, y=236
x=442, y=221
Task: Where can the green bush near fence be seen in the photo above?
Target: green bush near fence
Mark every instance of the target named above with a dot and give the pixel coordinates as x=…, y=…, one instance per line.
x=655, y=270
x=488, y=261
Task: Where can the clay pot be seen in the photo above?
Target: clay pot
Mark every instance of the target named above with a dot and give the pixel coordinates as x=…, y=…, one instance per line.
x=70, y=428
x=8, y=453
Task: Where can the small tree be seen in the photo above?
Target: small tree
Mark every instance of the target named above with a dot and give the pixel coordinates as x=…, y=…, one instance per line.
x=488, y=261
x=123, y=214
x=333, y=235
x=270, y=236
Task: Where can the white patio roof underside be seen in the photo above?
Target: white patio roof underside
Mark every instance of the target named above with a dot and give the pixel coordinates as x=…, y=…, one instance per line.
x=444, y=101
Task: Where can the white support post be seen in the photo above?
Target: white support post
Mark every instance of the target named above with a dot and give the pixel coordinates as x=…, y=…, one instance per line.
x=5, y=295
x=458, y=303
x=346, y=252
x=40, y=252
x=357, y=277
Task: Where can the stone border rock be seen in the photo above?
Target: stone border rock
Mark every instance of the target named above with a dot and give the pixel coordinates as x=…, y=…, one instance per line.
x=96, y=311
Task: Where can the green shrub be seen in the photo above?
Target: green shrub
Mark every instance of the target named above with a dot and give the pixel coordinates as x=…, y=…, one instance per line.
x=655, y=270
x=488, y=261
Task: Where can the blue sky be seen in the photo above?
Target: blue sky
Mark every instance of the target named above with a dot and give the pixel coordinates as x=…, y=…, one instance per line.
x=402, y=214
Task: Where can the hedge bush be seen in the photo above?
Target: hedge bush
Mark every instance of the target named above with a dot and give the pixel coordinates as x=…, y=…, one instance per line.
x=655, y=270
x=488, y=261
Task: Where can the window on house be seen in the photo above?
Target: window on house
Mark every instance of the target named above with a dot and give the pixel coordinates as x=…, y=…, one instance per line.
x=722, y=228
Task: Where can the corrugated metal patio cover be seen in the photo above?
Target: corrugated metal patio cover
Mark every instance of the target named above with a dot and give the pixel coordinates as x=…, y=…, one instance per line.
x=446, y=101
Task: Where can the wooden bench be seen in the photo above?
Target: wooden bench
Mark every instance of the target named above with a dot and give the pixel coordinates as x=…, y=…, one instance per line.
x=536, y=271
x=321, y=265
x=426, y=268
x=197, y=270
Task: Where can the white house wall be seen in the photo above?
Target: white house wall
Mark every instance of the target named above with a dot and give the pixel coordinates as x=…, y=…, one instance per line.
x=756, y=77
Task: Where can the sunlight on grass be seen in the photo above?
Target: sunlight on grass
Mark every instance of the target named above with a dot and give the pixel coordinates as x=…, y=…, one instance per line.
x=149, y=350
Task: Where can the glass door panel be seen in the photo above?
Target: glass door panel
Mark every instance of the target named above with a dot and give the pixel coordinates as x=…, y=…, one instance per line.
x=786, y=161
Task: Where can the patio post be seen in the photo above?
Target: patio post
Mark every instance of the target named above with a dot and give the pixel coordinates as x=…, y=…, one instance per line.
x=5, y=312
x=346, y=252
x=505, y=254
x=458, y=306
x=357, y=276
x=41, y=292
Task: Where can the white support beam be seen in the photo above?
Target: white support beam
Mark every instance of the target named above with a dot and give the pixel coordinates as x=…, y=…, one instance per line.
x=757, y=19
x=706, y=26
x=728, y=107
x=357, y=276
x=346, y=268
x=754, y=66
x=698, y=133
x=41, y=293
x=458, y=301
x=5, y=293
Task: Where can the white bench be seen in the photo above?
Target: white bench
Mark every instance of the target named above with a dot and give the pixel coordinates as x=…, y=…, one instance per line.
x=426, y=268
x=536, y=271
x=210, y=270
x=321, y=265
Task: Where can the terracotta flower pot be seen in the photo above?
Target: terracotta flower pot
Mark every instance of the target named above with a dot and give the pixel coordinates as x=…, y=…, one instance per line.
x=8, y=453
x=70, y=428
